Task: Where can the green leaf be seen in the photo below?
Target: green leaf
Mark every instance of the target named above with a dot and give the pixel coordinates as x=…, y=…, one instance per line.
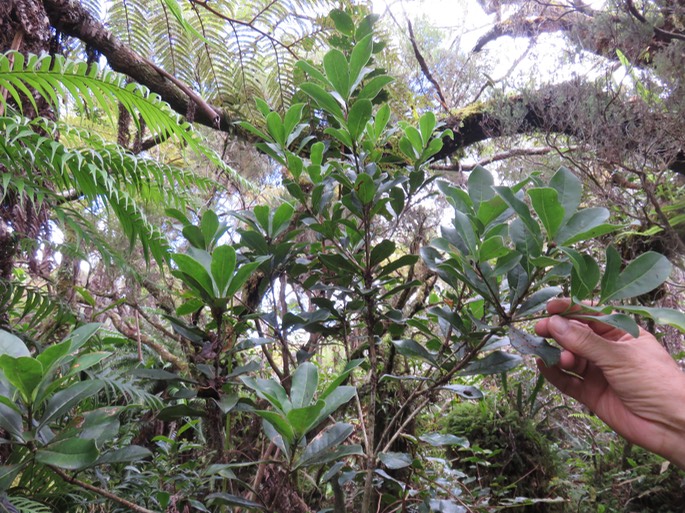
x=312, y=71
x=233, y=500
x=12, y=345
x=492, y=248
x=358, y=117
x=321, y=449
x=338, y=72
x=465, y=229
x=537, y=301
x=494, y=363
x=361, y=53
x=480, y=183
x=243, y=274
x=621, y=321
x=584, y=275
x=126, y=454
x=521, y=209
x=223, y=265
x=11, y=421
x=395, y=460
x=64, y=400
x=612, y=269
x=441, y=440
x=195, y=270
x=281, y=219
x=465, y=391
x=642, y=275
x=349, y=367
x=270, y=390
x=82, y=334
x=366, y=188
x=305, y=418
x=52, y=355
x=668, y=316
x=343, y=22
x=548, y=208
x=334, y=400
x=569, y=191
x=413, y=349
x=179, y=411
x=324, y=100
x=209, y=225
x=584, y=225
x=304, y=383
x=24, y=373
x=525, y=343
x=69, y=454
x=371, y=90
x=381, y=251
x=193, y=234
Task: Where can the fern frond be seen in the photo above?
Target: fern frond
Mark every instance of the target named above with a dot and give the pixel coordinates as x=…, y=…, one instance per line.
x=24, y=505
x=28, y=306
x=56, y=78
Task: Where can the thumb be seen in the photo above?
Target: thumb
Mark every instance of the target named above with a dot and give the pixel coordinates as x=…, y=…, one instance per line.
x=578, y=338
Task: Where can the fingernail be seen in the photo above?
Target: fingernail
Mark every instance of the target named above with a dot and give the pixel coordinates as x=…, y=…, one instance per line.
x=559, y=324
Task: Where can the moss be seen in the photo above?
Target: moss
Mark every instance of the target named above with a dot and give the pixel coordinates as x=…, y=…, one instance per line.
x=508, y=453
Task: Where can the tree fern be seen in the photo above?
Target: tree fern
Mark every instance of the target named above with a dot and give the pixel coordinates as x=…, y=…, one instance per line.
x=90, y=88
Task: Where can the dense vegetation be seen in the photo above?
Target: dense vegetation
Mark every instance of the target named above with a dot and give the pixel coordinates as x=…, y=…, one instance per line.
x=250, y=258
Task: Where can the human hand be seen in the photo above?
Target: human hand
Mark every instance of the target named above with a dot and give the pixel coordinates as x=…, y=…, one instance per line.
x=632, y=384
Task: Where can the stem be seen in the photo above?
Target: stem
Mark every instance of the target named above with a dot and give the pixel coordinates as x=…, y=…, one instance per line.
x=103, y=493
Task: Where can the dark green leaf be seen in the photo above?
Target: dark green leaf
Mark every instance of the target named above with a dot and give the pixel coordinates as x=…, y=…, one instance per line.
x=642, y=275
x=413, y=349
x=178, y=411
x=64, y=400
x=612, y=270
x=304, y=383
x=349, y=367
x=358, y=117
x=233, y=500
x=361, y=53
x=126, y=454
x=223, y=265
x=11, y=421
x=621, y=321
x=537, y=301
x=305, y=418
x=569, y=191
x=441, y=440
x=525, y=343
x=196, y=271
x=343, y=22
x=521, y=209
x=371, y=90
x=337, y=71
x=366, y=188
x=25, y=373
x=270, y=390
x=395, y=460
x=69, y=454
x=492, y=248
x=324, y=100
x=548, y=208
x=209, y=224
x=194, y=235
x=480, y=183
x=581, y=225
x=494, y=363
x=335, y=399
x=381, y=251
x=320, y=448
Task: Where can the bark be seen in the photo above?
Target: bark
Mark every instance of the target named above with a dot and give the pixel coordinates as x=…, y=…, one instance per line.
x=583, y=111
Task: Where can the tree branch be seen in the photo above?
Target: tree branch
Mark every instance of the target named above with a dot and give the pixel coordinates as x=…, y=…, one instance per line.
x=424, y=68
x=100, y=491
x=71, y=18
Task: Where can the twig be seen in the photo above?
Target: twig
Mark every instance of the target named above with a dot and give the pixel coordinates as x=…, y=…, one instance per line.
x=424, y=68
x=660, y=32
x=104, y=493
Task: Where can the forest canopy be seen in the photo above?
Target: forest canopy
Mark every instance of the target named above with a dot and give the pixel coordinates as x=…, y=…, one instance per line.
x=286, y=255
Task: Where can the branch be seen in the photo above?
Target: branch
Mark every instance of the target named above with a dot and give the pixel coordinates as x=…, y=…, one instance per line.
x=71, y=18
x=424, y=67
x=100, y=491
x=663, y=35
x=516, y=152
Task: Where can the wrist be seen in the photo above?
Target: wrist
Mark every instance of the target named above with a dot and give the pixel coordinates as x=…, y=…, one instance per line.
x=673, y=447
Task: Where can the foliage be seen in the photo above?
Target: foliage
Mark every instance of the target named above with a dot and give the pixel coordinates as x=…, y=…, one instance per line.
x=295, y=355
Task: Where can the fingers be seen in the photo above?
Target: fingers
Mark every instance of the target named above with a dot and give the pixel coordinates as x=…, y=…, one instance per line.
x=566, y=383
x=577, y=338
